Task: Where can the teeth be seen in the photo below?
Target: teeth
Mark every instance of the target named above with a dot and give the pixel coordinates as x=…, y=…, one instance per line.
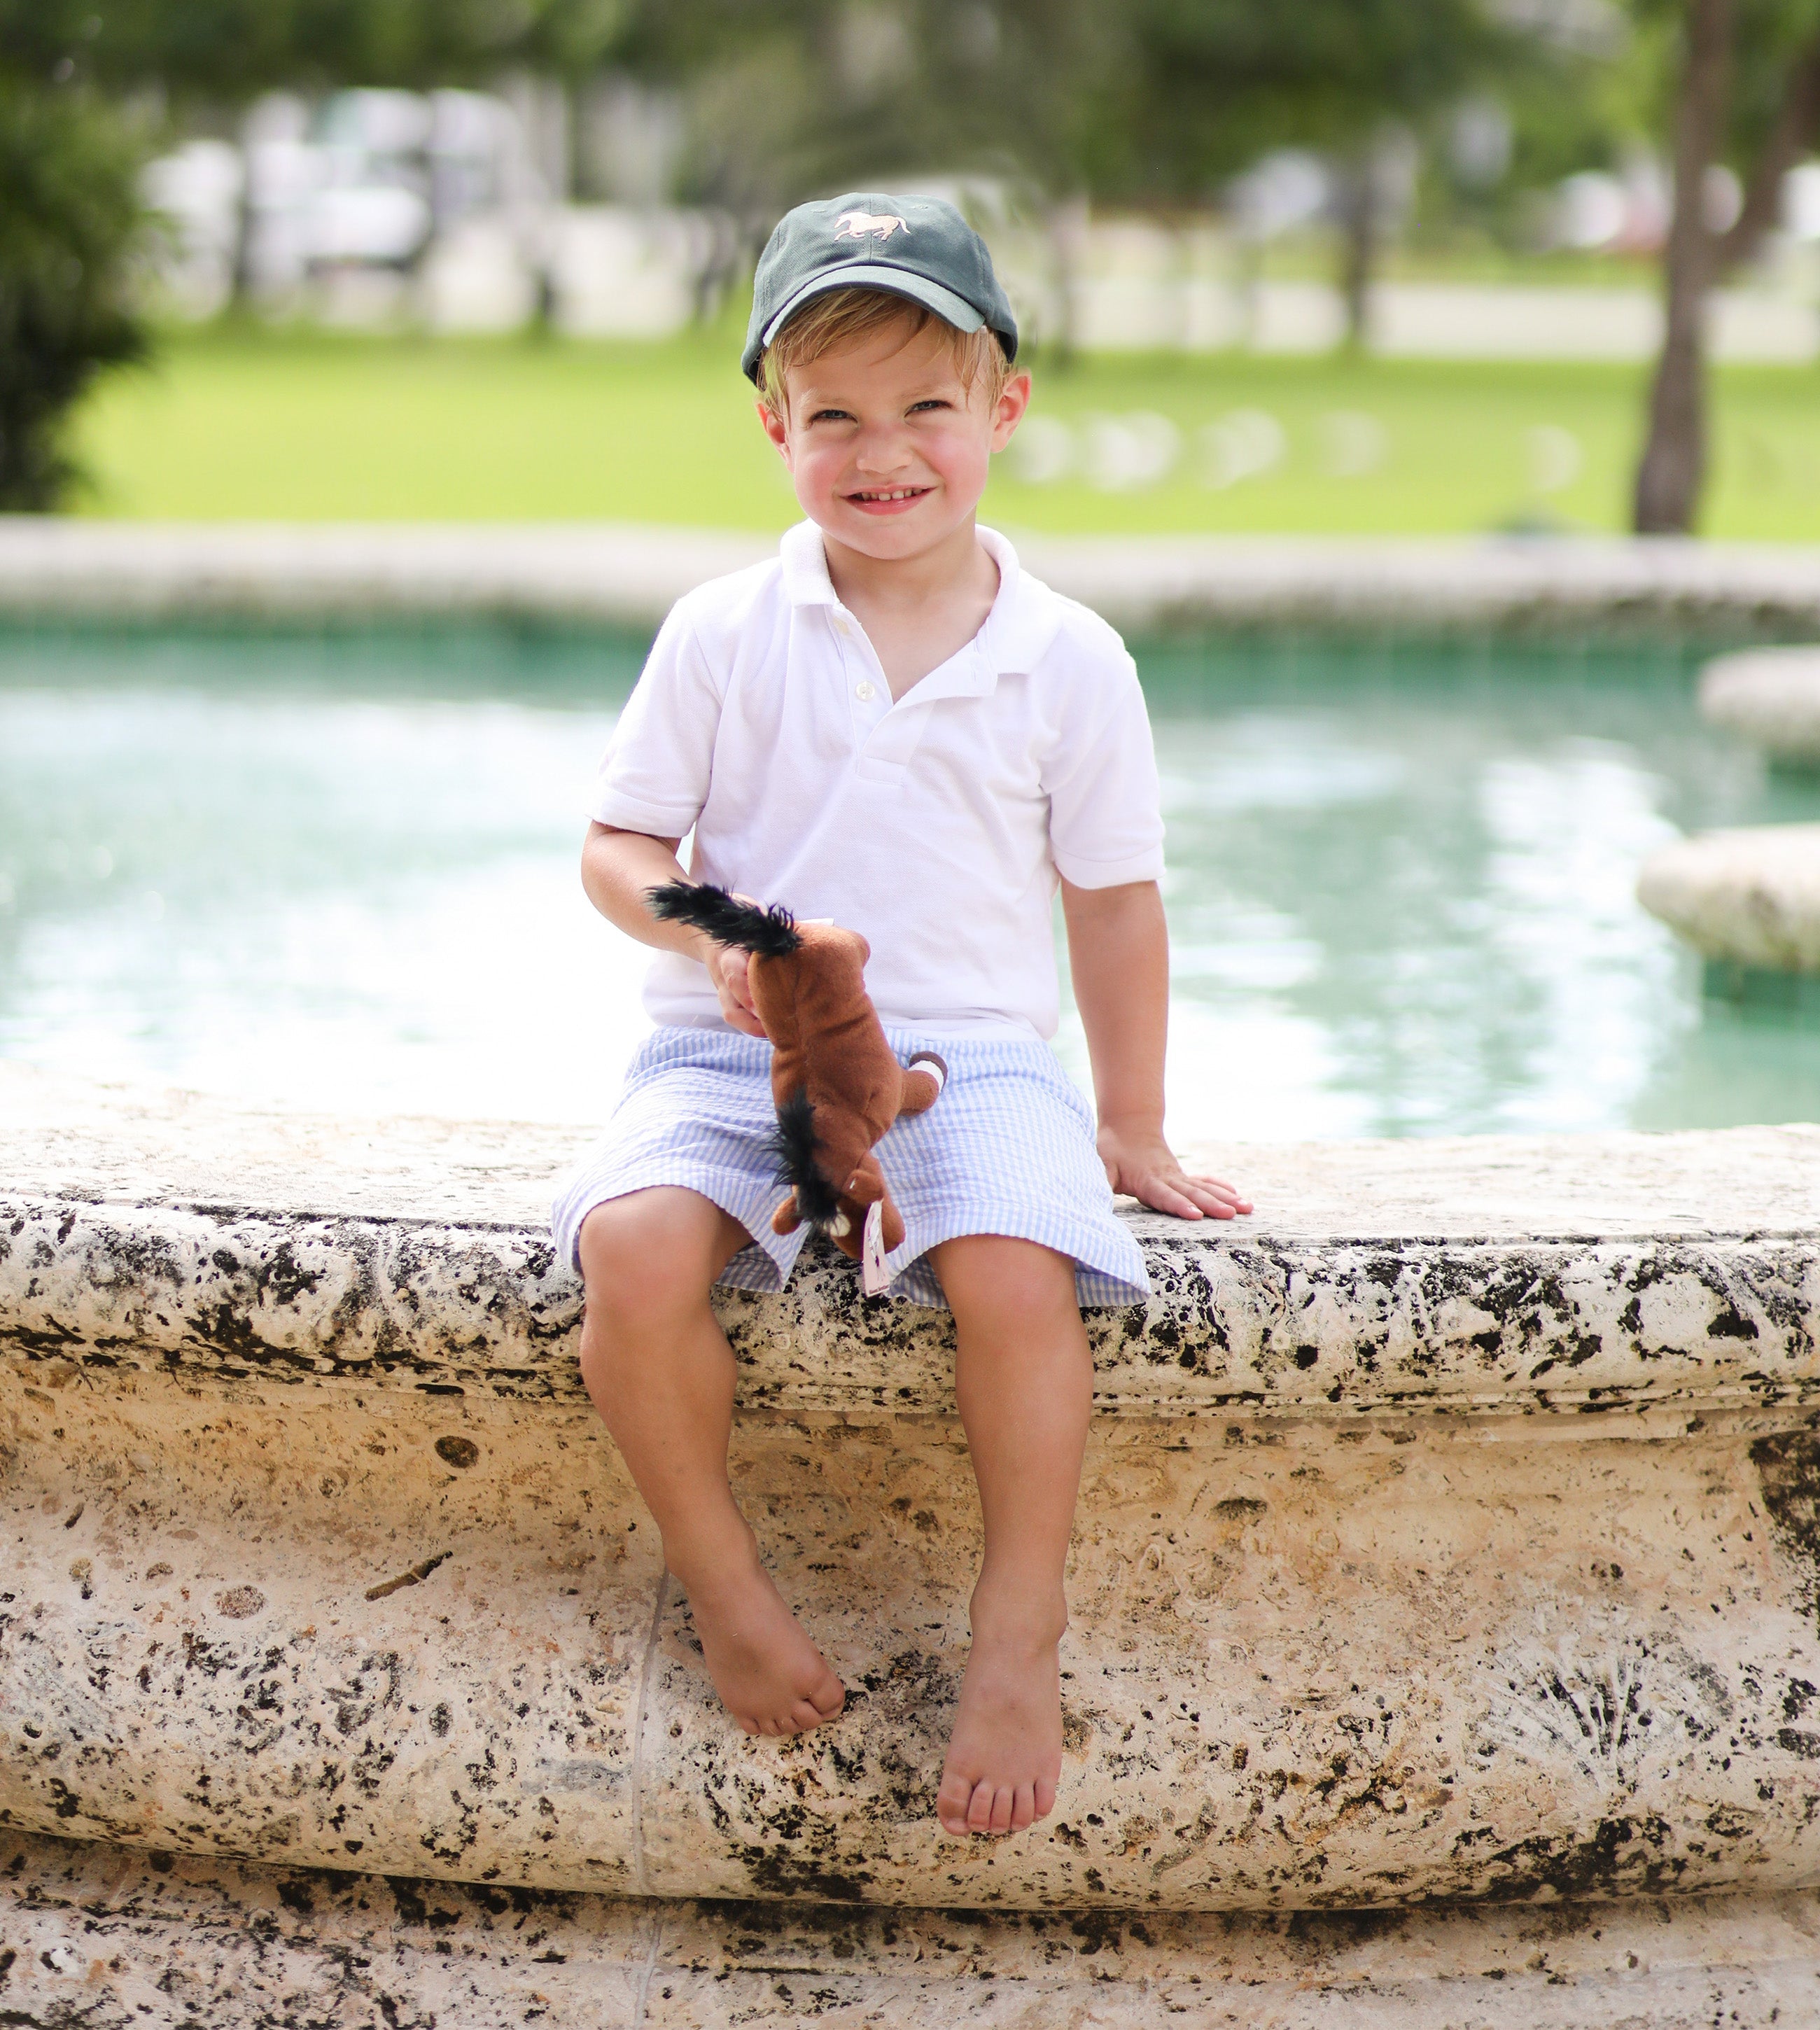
x=898, y=493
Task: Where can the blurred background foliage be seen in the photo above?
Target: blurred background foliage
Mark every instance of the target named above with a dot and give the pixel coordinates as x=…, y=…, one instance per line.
x=1443, y=129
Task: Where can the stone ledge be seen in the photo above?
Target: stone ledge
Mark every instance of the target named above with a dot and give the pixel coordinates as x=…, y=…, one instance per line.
x=1536, y=1276
x=1325, y=1654
x=107, y=1939
x=604, y=574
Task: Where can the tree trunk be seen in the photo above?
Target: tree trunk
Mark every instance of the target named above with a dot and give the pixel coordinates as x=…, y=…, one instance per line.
x=1672, y=469
x=1068, y=222
x=1359, y=221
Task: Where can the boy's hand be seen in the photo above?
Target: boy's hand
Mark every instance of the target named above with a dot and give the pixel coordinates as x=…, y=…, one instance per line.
x=1143, y=1166
x=730, y=970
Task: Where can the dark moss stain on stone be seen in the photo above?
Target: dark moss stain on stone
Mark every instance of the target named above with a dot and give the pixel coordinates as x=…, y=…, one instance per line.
x=1788, y=1472
x=1619, y=1856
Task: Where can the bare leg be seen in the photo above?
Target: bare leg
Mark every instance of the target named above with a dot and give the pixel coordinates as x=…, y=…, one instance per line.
x=1023, y=1378
x=661, y=1374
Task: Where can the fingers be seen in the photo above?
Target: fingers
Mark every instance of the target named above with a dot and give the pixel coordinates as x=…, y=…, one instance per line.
x=1160, y=1197
x=1187, y=1198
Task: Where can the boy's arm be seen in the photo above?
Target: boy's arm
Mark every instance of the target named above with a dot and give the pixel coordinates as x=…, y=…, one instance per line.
x=1119, y=955
x=618, y=869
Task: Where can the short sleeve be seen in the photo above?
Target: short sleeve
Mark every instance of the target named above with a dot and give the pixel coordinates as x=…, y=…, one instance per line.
x=1105, y=807
x=654, y=776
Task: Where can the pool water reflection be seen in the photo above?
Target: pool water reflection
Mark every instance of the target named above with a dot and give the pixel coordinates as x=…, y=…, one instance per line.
x=338, y=872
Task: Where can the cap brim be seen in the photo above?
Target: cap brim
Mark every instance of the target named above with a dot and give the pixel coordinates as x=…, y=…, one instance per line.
x=954, y=309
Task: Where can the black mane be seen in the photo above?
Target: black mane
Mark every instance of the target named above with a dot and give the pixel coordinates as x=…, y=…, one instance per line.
x=792, y=1143
x=768, y=933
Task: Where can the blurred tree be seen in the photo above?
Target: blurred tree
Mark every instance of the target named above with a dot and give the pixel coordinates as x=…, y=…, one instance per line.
x=799, y=96
x=70, y=152
x=228, y=49
x=1215, y=83
x=70, y=224
x=1743, y=89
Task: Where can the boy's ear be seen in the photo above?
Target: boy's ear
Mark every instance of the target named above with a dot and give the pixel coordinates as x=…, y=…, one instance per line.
x=775, y=428
x=1013, y=399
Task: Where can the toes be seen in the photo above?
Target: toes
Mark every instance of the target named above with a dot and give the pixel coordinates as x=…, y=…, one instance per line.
x=1003, y=1799
x=979, y=1808
x=828, y=1699
x=1024, y=1807
x=746, y=1726
x=804, y=1715
x=951, y=1802
x=1044, y=1798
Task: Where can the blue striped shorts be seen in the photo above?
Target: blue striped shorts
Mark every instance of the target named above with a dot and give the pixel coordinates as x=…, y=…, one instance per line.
x=1007, y=1149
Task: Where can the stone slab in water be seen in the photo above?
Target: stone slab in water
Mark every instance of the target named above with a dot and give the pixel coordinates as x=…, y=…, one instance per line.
x=1749, y=898
x=1452, y=1533
x=1769, y=695
x=107, y=1937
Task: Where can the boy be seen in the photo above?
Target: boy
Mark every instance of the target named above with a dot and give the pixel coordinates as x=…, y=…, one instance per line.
x=892, y=728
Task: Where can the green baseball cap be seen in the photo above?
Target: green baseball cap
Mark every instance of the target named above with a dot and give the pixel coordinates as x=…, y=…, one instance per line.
x=918, y=247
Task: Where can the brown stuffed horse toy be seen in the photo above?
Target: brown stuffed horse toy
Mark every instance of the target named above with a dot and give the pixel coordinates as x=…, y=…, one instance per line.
x=836, y=1082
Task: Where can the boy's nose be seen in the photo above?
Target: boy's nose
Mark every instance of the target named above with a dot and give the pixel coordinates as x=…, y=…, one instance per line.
x=881, y=452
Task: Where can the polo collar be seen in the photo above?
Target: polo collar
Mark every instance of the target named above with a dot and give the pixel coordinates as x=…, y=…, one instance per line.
x=1020, y=627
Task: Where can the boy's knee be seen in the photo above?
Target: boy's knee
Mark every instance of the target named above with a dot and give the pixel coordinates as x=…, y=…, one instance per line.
x=648, y=1254
x=988, y=1276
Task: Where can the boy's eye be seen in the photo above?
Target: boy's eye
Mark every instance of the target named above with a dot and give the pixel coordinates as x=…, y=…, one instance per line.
x=932, y=402
x=831, y=416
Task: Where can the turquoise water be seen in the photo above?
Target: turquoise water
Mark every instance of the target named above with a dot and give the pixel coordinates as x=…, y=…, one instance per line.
x=339, y=871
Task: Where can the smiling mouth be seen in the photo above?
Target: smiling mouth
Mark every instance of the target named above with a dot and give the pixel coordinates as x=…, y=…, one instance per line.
x=887, y=497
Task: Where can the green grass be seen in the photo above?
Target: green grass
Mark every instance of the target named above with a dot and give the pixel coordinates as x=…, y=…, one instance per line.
x=295, y=424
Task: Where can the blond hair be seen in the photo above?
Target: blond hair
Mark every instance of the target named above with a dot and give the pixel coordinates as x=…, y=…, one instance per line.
x=846, y=316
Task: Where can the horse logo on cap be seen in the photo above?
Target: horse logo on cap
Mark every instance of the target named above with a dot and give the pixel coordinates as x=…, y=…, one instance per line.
x=856, y=224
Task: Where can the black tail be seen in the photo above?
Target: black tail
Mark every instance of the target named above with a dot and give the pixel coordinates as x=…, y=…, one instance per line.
x=769, y=933
x=793, y=1144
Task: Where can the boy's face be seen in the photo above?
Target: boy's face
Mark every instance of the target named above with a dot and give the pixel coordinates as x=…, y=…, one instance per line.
x=887, y=448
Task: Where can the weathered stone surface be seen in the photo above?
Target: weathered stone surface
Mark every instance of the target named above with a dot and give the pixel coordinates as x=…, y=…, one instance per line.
x=105, y=1939
x=318, y=1555
x=630, y=575
x=1537, y=1275
x=1302, y=1673
x=1769, y=695
x=1750, y=896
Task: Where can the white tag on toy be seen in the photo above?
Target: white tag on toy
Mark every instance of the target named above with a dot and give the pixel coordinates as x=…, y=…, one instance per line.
x=874, y=1278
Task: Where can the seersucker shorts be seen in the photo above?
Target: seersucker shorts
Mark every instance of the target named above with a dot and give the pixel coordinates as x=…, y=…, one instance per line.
x=1007, y=1149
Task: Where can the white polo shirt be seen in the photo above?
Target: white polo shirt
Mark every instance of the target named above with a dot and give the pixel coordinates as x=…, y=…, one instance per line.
x=935, y=826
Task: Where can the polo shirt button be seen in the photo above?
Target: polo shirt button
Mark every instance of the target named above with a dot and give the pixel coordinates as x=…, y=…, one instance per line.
x=864, y=691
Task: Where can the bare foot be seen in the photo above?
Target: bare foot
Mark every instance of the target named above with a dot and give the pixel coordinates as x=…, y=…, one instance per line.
x=1005, y=1757
x=770, y=1677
